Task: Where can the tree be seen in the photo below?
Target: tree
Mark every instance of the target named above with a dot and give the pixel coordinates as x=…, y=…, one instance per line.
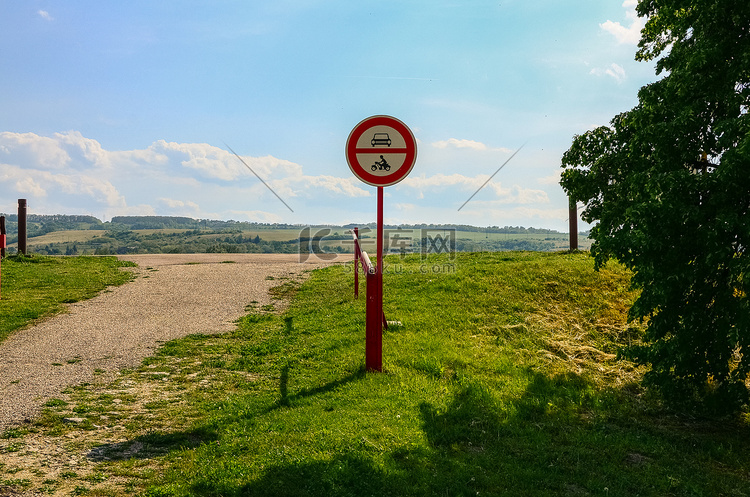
x=668, y=185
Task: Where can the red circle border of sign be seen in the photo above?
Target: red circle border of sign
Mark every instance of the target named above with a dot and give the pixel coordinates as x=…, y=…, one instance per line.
x=359, y=130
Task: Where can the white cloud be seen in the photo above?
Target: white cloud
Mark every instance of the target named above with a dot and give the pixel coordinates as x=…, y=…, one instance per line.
x=463, y=143
x=39, y=183
x=257, y=216
x=91, y=151
x=45, y=15
x=209, y=161
x=438, y=182
x=131, y=210
x=32, y=149
x=70, y=173
x=503, y=215
x=630, y=34
x=454, y=142
x=551, y=179
x=100, y=190
x=528, y=196
x=28, y=186
x=614, y=71
x=175, y=207
x=405, y=207
x=61, y=151
x=215, y=162
x=172, y=203
x=442, y=180
x=317, y=185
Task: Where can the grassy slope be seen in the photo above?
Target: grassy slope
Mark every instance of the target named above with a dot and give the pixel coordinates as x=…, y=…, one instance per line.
x=35, y=287
x=83, y=236
x=502, y=380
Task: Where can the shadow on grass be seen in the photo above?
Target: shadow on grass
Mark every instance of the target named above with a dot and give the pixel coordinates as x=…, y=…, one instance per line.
x=159, y=444
x=344, y=475
x=561, y=437
x=152, y=445
x=286, y=399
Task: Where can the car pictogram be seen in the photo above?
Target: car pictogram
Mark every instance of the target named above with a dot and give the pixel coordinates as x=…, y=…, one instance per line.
x=381, y=139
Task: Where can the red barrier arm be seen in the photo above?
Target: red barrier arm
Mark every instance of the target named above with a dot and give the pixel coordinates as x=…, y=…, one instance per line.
x=374, y=315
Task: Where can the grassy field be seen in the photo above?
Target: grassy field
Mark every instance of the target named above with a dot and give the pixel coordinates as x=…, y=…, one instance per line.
x=155, y=240
x=501, y=379
x=67, y=236
x=83, y=236
x=38, y=286
x=560, y=240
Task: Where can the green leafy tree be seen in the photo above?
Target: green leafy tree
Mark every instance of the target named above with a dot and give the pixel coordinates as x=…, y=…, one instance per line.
x=668, y=185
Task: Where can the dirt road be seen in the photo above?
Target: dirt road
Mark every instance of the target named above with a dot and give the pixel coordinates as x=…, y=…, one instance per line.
x=170, y=297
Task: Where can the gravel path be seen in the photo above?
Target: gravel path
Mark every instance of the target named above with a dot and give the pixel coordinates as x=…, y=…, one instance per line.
x=172, y=296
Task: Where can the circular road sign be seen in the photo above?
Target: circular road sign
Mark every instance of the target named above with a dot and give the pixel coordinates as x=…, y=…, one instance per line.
x=381, y=150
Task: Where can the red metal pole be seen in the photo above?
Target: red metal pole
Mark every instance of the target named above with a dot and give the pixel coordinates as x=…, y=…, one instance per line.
x=356, y=263
x=375, y=355
x=381, y=266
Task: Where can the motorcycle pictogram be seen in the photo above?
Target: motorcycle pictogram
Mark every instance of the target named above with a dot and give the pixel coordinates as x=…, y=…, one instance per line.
x=381, y=164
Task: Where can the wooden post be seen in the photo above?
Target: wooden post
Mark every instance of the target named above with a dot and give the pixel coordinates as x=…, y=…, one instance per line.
x=573, y=224
x=3, y=238
x=2, y=250
x=22, y=226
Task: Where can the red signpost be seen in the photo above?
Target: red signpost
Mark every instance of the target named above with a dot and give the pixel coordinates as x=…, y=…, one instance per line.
x=381, y=151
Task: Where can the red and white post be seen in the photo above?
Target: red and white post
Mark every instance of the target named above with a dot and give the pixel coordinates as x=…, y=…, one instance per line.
x=380, y=151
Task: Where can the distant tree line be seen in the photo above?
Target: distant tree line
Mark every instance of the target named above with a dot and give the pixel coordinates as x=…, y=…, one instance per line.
x=120, y=236
x=174, y=222
x=38, y=225
x=118, y=241
x=59, y=222
x=512, y=230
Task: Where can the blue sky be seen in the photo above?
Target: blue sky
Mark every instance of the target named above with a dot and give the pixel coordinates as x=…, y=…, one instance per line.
x=128, y=108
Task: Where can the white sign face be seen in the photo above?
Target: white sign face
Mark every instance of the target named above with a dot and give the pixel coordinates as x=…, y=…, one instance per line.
x=381, y=150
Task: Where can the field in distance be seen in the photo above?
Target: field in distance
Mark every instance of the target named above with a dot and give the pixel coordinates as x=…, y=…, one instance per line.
x=84, y=235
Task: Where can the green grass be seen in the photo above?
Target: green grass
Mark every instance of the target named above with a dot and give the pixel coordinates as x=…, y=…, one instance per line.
x=501, y=380
x=67, y=236
x=83, y=236
x=35, y=287
x=88, y=240
x=561, y=240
